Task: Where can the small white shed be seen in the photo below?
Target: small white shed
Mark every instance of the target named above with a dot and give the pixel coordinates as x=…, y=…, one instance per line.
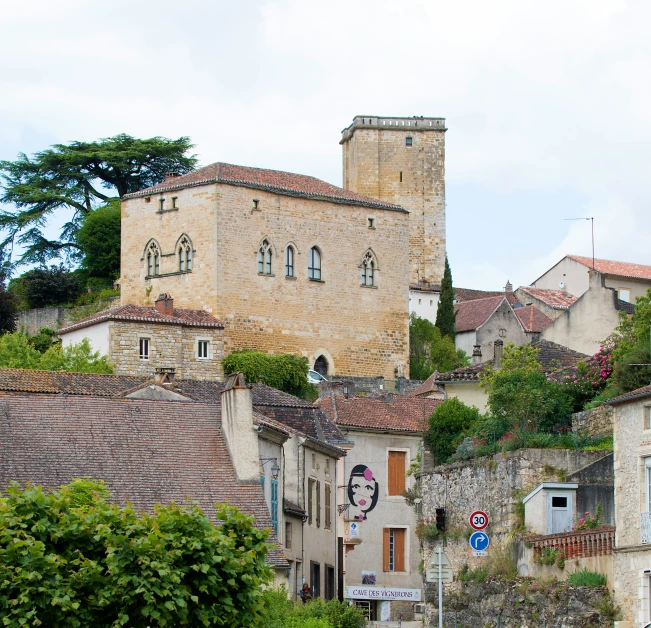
x=550, y=507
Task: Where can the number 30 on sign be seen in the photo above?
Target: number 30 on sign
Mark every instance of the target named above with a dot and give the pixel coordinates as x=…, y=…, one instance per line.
x=478, y=520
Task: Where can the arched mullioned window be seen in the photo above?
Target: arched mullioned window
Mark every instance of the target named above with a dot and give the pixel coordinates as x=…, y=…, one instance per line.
x=153, y=259
x=314, y=264
x=369, y=268
x=264, y=258
x=184, y=251
x=289, y=261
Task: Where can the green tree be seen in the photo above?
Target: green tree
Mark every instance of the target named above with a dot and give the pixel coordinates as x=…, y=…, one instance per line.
x=46, y=287
x=632, y=350
x=79, y=176
x=520, y=394
x=17, y=352
x=447, y=426
x=87, y=562
x=429, y=351
x=75, y=358
x=284, y=371
x=445, y=311
x=98, y=238
x=7, y=301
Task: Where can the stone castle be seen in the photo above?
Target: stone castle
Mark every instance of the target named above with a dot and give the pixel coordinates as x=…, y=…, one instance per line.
x=290, y=263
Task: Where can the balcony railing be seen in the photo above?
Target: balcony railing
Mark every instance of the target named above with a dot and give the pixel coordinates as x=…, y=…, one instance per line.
x=645, y=527
x=577, y=544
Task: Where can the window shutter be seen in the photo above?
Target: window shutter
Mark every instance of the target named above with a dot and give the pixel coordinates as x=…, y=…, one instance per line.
x=318, y=504
x=385, y=550
x=397, y=472
x=309, y=501
x=328, y=506
x=399, y=549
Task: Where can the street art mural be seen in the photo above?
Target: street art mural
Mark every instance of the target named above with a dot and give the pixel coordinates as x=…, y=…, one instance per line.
x=363, y=492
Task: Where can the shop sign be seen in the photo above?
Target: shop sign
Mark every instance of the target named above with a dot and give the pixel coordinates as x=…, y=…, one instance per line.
x=382, y=593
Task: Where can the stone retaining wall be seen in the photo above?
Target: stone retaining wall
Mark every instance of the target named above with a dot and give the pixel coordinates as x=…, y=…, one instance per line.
x=595, y=422
x=517, y=604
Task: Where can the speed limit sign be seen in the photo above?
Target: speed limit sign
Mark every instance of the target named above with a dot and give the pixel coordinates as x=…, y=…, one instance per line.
x=478, y=520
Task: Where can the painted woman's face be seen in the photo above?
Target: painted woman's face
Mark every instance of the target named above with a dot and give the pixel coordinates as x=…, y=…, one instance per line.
x=363, y=487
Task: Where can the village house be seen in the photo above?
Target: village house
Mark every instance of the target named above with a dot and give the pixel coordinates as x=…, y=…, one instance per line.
x=591, y=318
x=571, y=275
x=382, y=548
x=552, y=303
x=141, y=339
x=480, y=323
x=632, y=449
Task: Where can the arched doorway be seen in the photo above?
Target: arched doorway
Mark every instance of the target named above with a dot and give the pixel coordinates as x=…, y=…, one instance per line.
x=321, y=366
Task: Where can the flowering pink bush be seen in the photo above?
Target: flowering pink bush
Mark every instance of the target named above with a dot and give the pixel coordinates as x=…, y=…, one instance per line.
x=588, y=522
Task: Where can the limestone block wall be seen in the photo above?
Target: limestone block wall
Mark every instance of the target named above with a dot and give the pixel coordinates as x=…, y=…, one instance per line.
x=359, y=330
x=170, y=346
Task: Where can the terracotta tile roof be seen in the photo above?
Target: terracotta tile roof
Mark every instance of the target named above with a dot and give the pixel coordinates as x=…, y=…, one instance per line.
x=281, y=409
x=532, y=319
x=473, y=314
x=146, y=454
x=275, y=181
x=53, y=382
x=425, y=287
x=620, y=269
x=398, y=413
x=468, y=294
x=142, y=314
x=639, y=393
x=558, y=299
x=463, y=374
x=553, y=356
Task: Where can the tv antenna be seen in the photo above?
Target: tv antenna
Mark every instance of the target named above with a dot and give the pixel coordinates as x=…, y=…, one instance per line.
x=591, y=219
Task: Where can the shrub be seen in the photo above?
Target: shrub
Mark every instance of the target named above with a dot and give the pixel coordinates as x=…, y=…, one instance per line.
x=46, y=287
x=586, y=578
x=588, y=522
x=283, y=371
x=98, y=238
x=500, y=561
x=446, y=425
x=479, y=574
x=43, y=340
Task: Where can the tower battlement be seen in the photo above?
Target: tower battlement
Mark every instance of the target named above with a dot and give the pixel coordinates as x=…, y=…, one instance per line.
x=415, y=123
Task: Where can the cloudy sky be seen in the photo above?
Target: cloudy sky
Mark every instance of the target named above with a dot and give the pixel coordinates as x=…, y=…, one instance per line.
x=547, y=103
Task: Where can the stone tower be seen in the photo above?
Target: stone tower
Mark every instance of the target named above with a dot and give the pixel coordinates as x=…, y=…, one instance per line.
x=402, y=161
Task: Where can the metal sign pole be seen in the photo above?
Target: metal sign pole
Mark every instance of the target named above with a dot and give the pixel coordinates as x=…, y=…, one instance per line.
x=439, y=550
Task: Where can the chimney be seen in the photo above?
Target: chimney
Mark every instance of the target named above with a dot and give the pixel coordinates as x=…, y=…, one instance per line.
x=476, y=354
x=240, y=434
x=165, y=376
x=499, y=348
x=508, y=288
x=170, y=176
x=165, y=304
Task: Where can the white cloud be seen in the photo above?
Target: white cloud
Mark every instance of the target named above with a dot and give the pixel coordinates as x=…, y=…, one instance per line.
x=543, y=100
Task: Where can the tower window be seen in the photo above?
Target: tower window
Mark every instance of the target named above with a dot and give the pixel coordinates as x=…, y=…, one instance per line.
x=185, y=256
x=289, y=261
x=153, y=260
x=314, y=264
x=368, y=270
x=408, y=141
x=162, y=204
x=371, y=223
x=264, y=258
x=401, y=176
x=256, y=204
x=174, y=202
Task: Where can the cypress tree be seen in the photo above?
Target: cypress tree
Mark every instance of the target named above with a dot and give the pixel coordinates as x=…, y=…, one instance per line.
x=445, y=310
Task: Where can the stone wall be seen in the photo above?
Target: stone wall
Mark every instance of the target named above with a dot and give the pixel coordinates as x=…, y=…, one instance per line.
x=517, y=604
x=596, y=486
x=30, y=321
x=494, y=484
x=369, y=386
x=171, y=346
x=359, y=330
x=595, y=422
x=378, y=162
